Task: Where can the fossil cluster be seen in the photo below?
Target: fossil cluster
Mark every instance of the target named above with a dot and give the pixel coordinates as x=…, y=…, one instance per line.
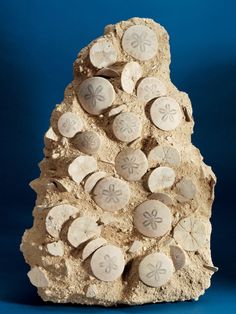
x=124, y=198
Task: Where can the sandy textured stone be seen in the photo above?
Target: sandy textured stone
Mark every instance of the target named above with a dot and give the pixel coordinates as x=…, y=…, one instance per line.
x=132, y=267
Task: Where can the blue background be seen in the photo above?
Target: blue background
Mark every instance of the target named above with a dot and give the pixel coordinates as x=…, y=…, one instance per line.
x=39, y=42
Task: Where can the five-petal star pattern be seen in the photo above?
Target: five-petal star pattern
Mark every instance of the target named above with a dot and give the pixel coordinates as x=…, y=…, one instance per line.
x=112, y=194
x=152, y=219
x=155, y=271
x=109, y=263
x=94, y=95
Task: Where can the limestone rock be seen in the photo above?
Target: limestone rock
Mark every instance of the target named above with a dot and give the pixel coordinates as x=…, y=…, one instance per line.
x=124, y=198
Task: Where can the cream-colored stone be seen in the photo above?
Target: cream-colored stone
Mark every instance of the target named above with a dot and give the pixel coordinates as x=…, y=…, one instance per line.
x=81, y=230
x=102, y=54
x=161, y=178
x=150, y=88
x=38, y=277
x=156, y=269
x=69, y=277
x=57, y=216
x=93, y=180
x=178, y=256
x=140, y=42
x=92, y=291
x=108, y=263
x=190, y=233
x=69, y=124
x=56, y=248
x=166, y=113
x=88, y=142
x=111, y=194
x=51, y=135
x=130, y=74
x=81, y=167
x=96, y=94
x=92, y=246
x=127, y=127
x=131, y=164
x=136, y=246
x=152, y=218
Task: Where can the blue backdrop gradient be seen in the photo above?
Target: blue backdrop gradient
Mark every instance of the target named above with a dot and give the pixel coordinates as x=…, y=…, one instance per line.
x=39, y=42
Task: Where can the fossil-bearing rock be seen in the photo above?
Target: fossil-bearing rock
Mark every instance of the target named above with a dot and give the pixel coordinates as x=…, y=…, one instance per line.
x=124, y=198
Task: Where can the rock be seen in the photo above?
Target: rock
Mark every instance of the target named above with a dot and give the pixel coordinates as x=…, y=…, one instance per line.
x=124, y=197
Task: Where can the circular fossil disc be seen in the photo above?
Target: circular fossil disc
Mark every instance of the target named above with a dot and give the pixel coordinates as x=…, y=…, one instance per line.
x=127, y=127
x=156, y=269
x=111, y=194
x=131, y=164
x=152, y=218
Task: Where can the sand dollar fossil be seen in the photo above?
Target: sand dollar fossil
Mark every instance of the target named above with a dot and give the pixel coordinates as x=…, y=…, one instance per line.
x=93, y=180
x=166, y=113
x=162, y=197
x=81, y=166
x=150, y=88
x=130, y=74
x=161, y=178
x=107, y=263
x=178, y=256
x=81, y=230
x=88, y=142
x=57, y=216
x=190, y=233
x=127, y=127
x=131, y=164
x=69, y=124
x=152, y=218
x=111, y=194
x=92, y=246
x=140, y=42
x=96, y=94
x=102, y=54
x=155, y=269
x=186, y=189
x=163, y=154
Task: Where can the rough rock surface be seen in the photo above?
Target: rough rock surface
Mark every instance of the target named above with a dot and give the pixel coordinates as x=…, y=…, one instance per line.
x=164, y=255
